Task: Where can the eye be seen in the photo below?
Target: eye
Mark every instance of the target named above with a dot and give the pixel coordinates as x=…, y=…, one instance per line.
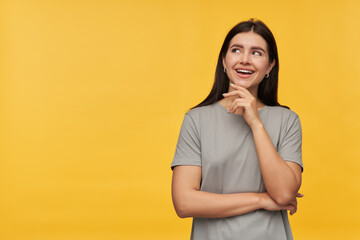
x=235, y=50
x=256, y=53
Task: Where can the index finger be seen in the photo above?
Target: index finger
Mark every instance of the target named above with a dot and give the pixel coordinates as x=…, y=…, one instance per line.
x=237, y=86
x=241, y=88
x=299, y=195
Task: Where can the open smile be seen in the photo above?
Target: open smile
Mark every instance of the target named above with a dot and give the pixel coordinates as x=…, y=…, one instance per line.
x=244, y=73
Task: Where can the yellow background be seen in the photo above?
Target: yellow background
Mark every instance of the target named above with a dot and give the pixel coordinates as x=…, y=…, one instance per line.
x=93, y=93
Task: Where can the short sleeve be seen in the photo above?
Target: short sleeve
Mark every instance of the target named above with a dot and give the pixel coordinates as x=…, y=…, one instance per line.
x=188, y=151
x=290, y=148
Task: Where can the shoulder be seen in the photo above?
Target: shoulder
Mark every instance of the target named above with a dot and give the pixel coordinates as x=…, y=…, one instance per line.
x=200, y=117
x=281, y=113
x=281, y=118
x=200, y=112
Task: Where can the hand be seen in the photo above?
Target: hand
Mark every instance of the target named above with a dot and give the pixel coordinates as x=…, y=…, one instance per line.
x=269, y=204
x=245, y=101
x=294, y=202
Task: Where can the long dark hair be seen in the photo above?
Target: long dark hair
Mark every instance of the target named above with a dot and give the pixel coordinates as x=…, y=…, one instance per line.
x=267, y=90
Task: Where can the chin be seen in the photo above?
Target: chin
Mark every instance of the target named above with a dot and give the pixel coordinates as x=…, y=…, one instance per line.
x=242, y=84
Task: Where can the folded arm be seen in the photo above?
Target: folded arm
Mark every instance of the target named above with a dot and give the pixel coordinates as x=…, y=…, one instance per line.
x=189, y=201
x=282, y=179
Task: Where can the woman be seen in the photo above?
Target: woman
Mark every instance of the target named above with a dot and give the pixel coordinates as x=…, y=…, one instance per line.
x=237, y=166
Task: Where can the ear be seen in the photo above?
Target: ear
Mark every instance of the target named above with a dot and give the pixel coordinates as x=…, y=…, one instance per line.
x=223, y=62
x=271, y=65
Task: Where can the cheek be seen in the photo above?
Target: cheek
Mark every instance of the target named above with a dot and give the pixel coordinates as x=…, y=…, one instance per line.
x=264, y=65
x=229, y=60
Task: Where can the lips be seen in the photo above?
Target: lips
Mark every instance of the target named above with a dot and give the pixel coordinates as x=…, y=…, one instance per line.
x=244, y=73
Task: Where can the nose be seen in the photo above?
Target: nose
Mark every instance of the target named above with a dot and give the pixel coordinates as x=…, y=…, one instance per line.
x=244, y=58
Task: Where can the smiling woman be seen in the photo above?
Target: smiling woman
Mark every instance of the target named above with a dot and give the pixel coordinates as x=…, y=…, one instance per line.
x=238, y=161
x=247, y=61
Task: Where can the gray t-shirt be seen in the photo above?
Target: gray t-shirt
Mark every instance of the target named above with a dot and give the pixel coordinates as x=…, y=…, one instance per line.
x=222, y=144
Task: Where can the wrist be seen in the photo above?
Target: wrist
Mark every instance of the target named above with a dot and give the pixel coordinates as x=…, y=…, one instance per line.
x=261, y=200
x=257, y=126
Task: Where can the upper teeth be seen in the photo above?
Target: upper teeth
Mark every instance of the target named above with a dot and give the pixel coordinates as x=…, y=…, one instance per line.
x=243, y=71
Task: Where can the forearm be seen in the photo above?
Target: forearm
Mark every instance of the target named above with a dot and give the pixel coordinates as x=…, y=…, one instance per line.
x=202, y=204
x=280, y=180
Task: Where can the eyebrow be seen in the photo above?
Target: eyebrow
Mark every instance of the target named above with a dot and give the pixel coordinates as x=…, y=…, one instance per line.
x=252, y=48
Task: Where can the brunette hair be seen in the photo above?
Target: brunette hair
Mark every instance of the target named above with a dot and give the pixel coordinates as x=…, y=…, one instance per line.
x=267, y=90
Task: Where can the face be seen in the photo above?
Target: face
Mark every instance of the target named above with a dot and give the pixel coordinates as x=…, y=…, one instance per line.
x=247, y=60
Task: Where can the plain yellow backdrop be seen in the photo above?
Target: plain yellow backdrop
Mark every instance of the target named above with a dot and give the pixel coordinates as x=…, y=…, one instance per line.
x=93, y=93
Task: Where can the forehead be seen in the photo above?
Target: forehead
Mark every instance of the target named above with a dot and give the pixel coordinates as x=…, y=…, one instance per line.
x=249, y=39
